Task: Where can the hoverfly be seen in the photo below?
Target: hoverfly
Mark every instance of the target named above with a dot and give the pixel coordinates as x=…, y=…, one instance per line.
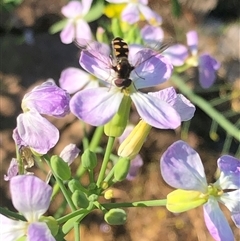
x=119, y=61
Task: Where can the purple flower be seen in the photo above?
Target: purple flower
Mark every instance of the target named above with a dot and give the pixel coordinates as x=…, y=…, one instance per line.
x=69, y=153
x=47, y=99
x=134, y=9
x=76, y=26
x=30, y=132
x=31, y=197
x=207, y=65
x=181, y=168
x=74, y=79
x=97, y=106
x=153, y=36
x=12, y=170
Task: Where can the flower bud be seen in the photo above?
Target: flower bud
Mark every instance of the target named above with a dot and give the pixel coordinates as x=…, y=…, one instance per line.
x=183, y=200
x=79, y=199
x=131, y=146
x=89, y=159
x=74, y=185
x=115, y=216
x=93, y=198
x=108, y=194
x=118, y=123
x=60, y=167
x=121, y=168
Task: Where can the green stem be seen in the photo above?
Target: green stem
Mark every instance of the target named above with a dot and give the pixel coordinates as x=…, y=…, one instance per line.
x=150, y=203
x=11, y=214
x=206, y=107
x=77, y=231
x=96, y=138
x=105, y=160
x=61, y=185
x=72, y=215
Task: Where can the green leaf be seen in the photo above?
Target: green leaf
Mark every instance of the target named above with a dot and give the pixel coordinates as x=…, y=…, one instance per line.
x=58, y=26
x=176, y=8
x=95, y=12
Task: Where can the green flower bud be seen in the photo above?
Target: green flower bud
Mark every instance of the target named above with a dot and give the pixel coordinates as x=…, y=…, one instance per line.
x=51, y=223
x=118, y=123
x=93, y=198
x=115, y=216
x=60, y=167
x=121, y=168
x=80, y=199
x=74, y=185
x=89, y=159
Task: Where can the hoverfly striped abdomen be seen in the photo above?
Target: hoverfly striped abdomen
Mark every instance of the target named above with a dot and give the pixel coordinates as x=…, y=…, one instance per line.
x=120, y=48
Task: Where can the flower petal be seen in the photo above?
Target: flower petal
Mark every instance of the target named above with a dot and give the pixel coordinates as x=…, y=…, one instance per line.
x=30, y=196
x=231, y=200
x=10, y=229
x=216, y=222
x=155, y=112
x=97, y=64
x=207, y=70
x=86, y=6
x=96, y=106
x=39, y=232
x=73, y=9
x=192, y=41
x=130, y=13
x=135, y=165
x=181, y=167
x=151, y=68
x=236, y=219
x=69, y=153
x=47, y=99
x=230, y=172
x=30, y=130
x=73, y=79
x=181, y=104
x=152, y=17
x=177, y=54
x=67, y=35
x=12, y=170
x=83, y=30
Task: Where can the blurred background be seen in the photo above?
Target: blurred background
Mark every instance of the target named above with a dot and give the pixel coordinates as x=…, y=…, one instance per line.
x=31, y=55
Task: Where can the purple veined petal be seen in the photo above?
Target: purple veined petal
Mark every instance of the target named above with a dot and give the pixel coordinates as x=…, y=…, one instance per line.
x=48, y=99
x=96, y=106
x=230, y=172
x=12, y=170
x=231, y=200
x=135, y=165
x=73, y=79
x=151, y=69
x=73, y=9
x=182, y=168
x=82, y=30
x=155, y=112
x=152, y=35
x=216, y=222
x=30, y=196
x=236, y=219
x=131, y=13
x=177, y=54
x=30, y=129
x=18, y=141
x=86, y=4
x=133, y=49
x=67, y=35
x=151, y=16
x=11, y=230
x=181, y=104
x=192, y=41
x=39, y=231
x=98, y=65
x=69, y=153
x=144, y=2
x=207, y=70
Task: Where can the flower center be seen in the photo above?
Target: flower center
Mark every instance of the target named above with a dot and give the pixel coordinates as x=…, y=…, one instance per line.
x=214, y=191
